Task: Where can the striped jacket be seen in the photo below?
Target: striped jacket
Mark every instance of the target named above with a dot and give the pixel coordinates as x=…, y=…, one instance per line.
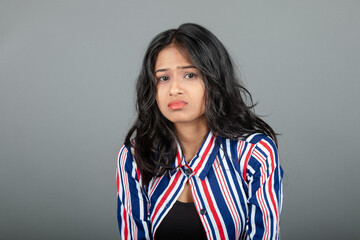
x=236, y=188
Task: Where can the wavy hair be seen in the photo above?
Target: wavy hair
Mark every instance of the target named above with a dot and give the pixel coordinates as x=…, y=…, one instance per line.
x=226, y=110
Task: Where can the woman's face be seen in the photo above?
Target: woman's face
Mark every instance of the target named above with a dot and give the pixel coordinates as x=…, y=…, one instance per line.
x=180, y=87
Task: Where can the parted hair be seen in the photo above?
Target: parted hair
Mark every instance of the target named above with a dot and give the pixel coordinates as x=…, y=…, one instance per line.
x=228, y=105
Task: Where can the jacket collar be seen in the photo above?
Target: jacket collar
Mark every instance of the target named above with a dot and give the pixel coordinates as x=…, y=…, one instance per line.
x=202, y=161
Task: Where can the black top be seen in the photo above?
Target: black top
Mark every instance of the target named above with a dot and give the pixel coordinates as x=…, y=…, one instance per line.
x=181, y=222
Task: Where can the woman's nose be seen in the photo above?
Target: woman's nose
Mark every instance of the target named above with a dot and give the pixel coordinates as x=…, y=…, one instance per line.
x=175, y=88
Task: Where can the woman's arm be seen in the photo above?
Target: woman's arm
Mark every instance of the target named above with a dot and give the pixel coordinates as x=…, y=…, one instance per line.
x=131, y=200
x=264, y=176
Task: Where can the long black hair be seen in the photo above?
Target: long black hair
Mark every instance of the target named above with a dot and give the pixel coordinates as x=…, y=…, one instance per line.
x=228, y=105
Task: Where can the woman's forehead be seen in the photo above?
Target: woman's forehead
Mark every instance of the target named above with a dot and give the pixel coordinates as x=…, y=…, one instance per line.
x=172, y=56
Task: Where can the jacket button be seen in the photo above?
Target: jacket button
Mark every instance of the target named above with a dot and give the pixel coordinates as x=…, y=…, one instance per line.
x=203, y=211
x=187, y=172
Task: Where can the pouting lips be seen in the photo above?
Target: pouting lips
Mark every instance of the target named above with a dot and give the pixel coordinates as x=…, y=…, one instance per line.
x=176, y=105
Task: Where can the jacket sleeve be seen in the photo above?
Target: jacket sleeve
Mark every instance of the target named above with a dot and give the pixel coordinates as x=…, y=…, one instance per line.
x=131, y=199
x=264, y=176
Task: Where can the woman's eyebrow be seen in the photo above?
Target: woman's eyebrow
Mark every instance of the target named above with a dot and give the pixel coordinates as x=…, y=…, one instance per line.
x=184, y=67
x=180, y=67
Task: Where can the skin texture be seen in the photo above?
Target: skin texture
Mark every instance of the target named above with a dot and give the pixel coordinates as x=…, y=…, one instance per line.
x=181, y=99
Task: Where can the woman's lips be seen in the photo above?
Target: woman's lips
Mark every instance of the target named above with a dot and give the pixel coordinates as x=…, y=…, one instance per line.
x=176, y=105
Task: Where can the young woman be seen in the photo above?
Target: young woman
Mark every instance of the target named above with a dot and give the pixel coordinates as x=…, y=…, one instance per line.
x=197, y=163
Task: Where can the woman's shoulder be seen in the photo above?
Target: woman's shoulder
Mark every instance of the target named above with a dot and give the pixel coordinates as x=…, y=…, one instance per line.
x=264, y=151
x=246, y=146
x=126, y=163
x=127, y=149
x=253, y=139
x=258, y=138
x=256, y=145
x=263, y=144
x=125, y=156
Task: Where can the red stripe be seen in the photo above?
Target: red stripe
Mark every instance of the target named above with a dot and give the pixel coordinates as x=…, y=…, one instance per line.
x=125, y=225
x=117, y=180
x=138, y=173
x=199, y=165
x=212, y=210
x=246, y=161
x=168, y=191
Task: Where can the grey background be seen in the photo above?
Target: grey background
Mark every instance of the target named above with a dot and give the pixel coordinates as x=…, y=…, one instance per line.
x=67, y=75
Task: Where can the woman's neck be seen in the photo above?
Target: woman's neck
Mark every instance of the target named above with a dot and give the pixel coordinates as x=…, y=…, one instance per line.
x=191, y=137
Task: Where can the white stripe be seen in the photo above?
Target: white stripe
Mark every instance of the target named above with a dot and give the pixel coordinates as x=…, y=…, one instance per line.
x=249, y=138
x=252, y=171
x=253, y=226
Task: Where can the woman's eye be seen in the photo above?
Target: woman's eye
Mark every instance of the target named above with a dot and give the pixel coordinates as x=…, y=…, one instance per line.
x=189, y=75
x=162, y=78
